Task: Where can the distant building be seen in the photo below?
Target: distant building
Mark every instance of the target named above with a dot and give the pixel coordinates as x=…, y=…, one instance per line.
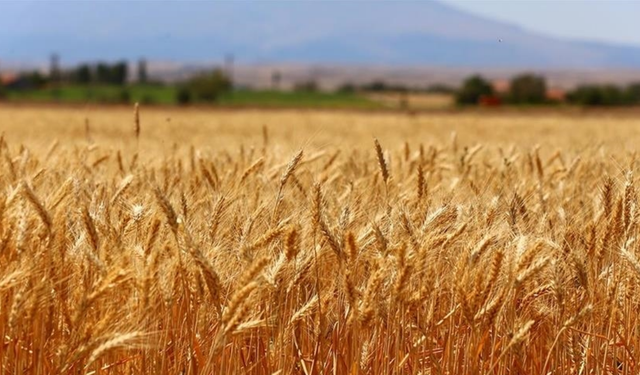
x=556, y=94
x=14, y=81
x=17, y=81
x=490, y=101
x=6, y=79
x=501, y=86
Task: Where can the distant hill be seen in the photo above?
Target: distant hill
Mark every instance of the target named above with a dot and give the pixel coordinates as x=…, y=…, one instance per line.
x=362, y=33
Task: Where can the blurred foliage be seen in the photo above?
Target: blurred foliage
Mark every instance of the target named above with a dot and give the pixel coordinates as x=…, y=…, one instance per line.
x=204, y=87
x=605, y=95
x=307, y=86
x=473, y=88
x=527, y=89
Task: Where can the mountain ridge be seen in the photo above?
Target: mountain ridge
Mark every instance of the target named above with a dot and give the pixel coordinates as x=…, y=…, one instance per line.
x=398, y=33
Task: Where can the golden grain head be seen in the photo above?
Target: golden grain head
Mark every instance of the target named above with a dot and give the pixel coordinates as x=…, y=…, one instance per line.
x=225, y=253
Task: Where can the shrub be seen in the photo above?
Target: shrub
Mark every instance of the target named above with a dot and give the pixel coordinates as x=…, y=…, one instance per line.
x=473, y=89
x=598, y=95
x=527, y=89
x=183, y=96
x=208, y=87
x=124, y=96
x=148, y=99
x=633, y=93
x=347, y=88
x=306, y=86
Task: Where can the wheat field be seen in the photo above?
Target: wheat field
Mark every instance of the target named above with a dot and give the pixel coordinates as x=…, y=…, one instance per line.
x=283, y=242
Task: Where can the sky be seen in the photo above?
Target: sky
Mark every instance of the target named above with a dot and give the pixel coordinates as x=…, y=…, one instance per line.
x=611, y=21
x=192, y=31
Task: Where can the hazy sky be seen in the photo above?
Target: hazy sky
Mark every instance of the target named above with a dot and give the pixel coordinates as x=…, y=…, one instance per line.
x=386, y=31
x=599, y=20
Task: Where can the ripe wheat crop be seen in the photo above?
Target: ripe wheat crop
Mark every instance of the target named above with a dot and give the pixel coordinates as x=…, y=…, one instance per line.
x=449, y=256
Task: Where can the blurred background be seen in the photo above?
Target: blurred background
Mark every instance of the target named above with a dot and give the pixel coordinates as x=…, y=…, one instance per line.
x=369, y=55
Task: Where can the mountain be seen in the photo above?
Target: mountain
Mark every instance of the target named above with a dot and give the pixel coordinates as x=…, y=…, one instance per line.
x=372, y=33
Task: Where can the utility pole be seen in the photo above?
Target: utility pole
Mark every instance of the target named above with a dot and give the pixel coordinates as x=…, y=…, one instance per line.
x=54, y=68
x=276, y=78
x=142, y=71
x=228, y=66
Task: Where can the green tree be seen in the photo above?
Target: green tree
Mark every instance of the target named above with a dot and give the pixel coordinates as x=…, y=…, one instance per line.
x=103, y=73
x=306, y=86
x=528, y=89
x=633, y=93
x=376, y=86
x=124, y=96
x=183, y=95
x=473, y=88
x=34, y=79
x=119, y=72
x=115, y=74
x=347, y=88
x=208, y=87
x=82, y=74
x=598, y=95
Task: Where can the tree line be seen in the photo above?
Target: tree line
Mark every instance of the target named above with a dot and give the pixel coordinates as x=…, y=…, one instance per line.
x=114, y=74
x=532, y=89
x=203, y=87
x=208, y=86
